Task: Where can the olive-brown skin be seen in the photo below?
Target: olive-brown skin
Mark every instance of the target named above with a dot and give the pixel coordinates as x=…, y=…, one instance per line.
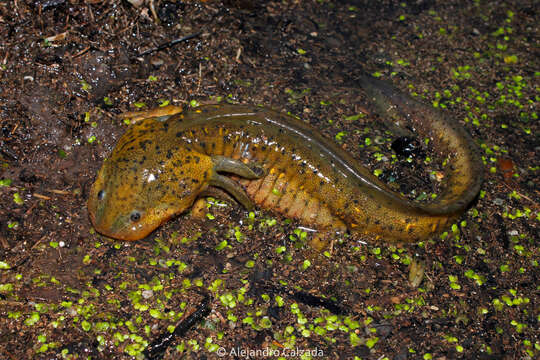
x=159, y=168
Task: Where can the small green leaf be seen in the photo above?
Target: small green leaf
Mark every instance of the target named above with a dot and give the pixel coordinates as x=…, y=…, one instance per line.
x=139, y=104
x=221, y=245
x=18, y=199
x=371, y=342
x=86, y=325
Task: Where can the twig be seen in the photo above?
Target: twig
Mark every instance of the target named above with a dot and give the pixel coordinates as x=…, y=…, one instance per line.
x=43, y=197
x=169, y=44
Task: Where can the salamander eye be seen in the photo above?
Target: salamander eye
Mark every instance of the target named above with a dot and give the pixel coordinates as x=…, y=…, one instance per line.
x=101, y=195
x=135, y=216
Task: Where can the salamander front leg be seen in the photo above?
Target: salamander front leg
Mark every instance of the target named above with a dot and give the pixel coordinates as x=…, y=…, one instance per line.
x=224, y=164
x=233, y=188
x=200, y=207
x=236, y=167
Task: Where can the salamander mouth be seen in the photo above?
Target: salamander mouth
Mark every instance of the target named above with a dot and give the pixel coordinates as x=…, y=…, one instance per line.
x=129, y=236
x=124, y=232
x=121, y=228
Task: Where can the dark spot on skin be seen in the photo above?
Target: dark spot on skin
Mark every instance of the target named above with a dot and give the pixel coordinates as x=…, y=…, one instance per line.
x=195, y=181
x=203, y=144
x=377, y=222
x=165, y=126
x=197, y=159
x=101, y=195
x=169, y=154
x=259, y=171
x=144, y=143
x=161, y=163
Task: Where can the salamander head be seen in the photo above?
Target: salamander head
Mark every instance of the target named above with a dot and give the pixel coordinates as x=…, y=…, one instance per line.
x=139, y=187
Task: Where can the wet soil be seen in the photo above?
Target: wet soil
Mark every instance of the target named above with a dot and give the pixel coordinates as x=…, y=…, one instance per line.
x=69, y=67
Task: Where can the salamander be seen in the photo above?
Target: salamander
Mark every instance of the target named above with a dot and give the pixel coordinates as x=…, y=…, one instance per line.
x=265, y=158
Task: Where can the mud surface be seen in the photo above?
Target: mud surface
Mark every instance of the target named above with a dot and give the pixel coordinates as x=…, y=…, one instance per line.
x=69, y=67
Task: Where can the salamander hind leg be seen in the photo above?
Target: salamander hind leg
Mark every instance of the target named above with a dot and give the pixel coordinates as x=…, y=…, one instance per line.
x=314, y=212
x=324, y=239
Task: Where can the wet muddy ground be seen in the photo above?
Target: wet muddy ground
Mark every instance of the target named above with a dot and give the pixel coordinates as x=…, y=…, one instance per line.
x=69, y=67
